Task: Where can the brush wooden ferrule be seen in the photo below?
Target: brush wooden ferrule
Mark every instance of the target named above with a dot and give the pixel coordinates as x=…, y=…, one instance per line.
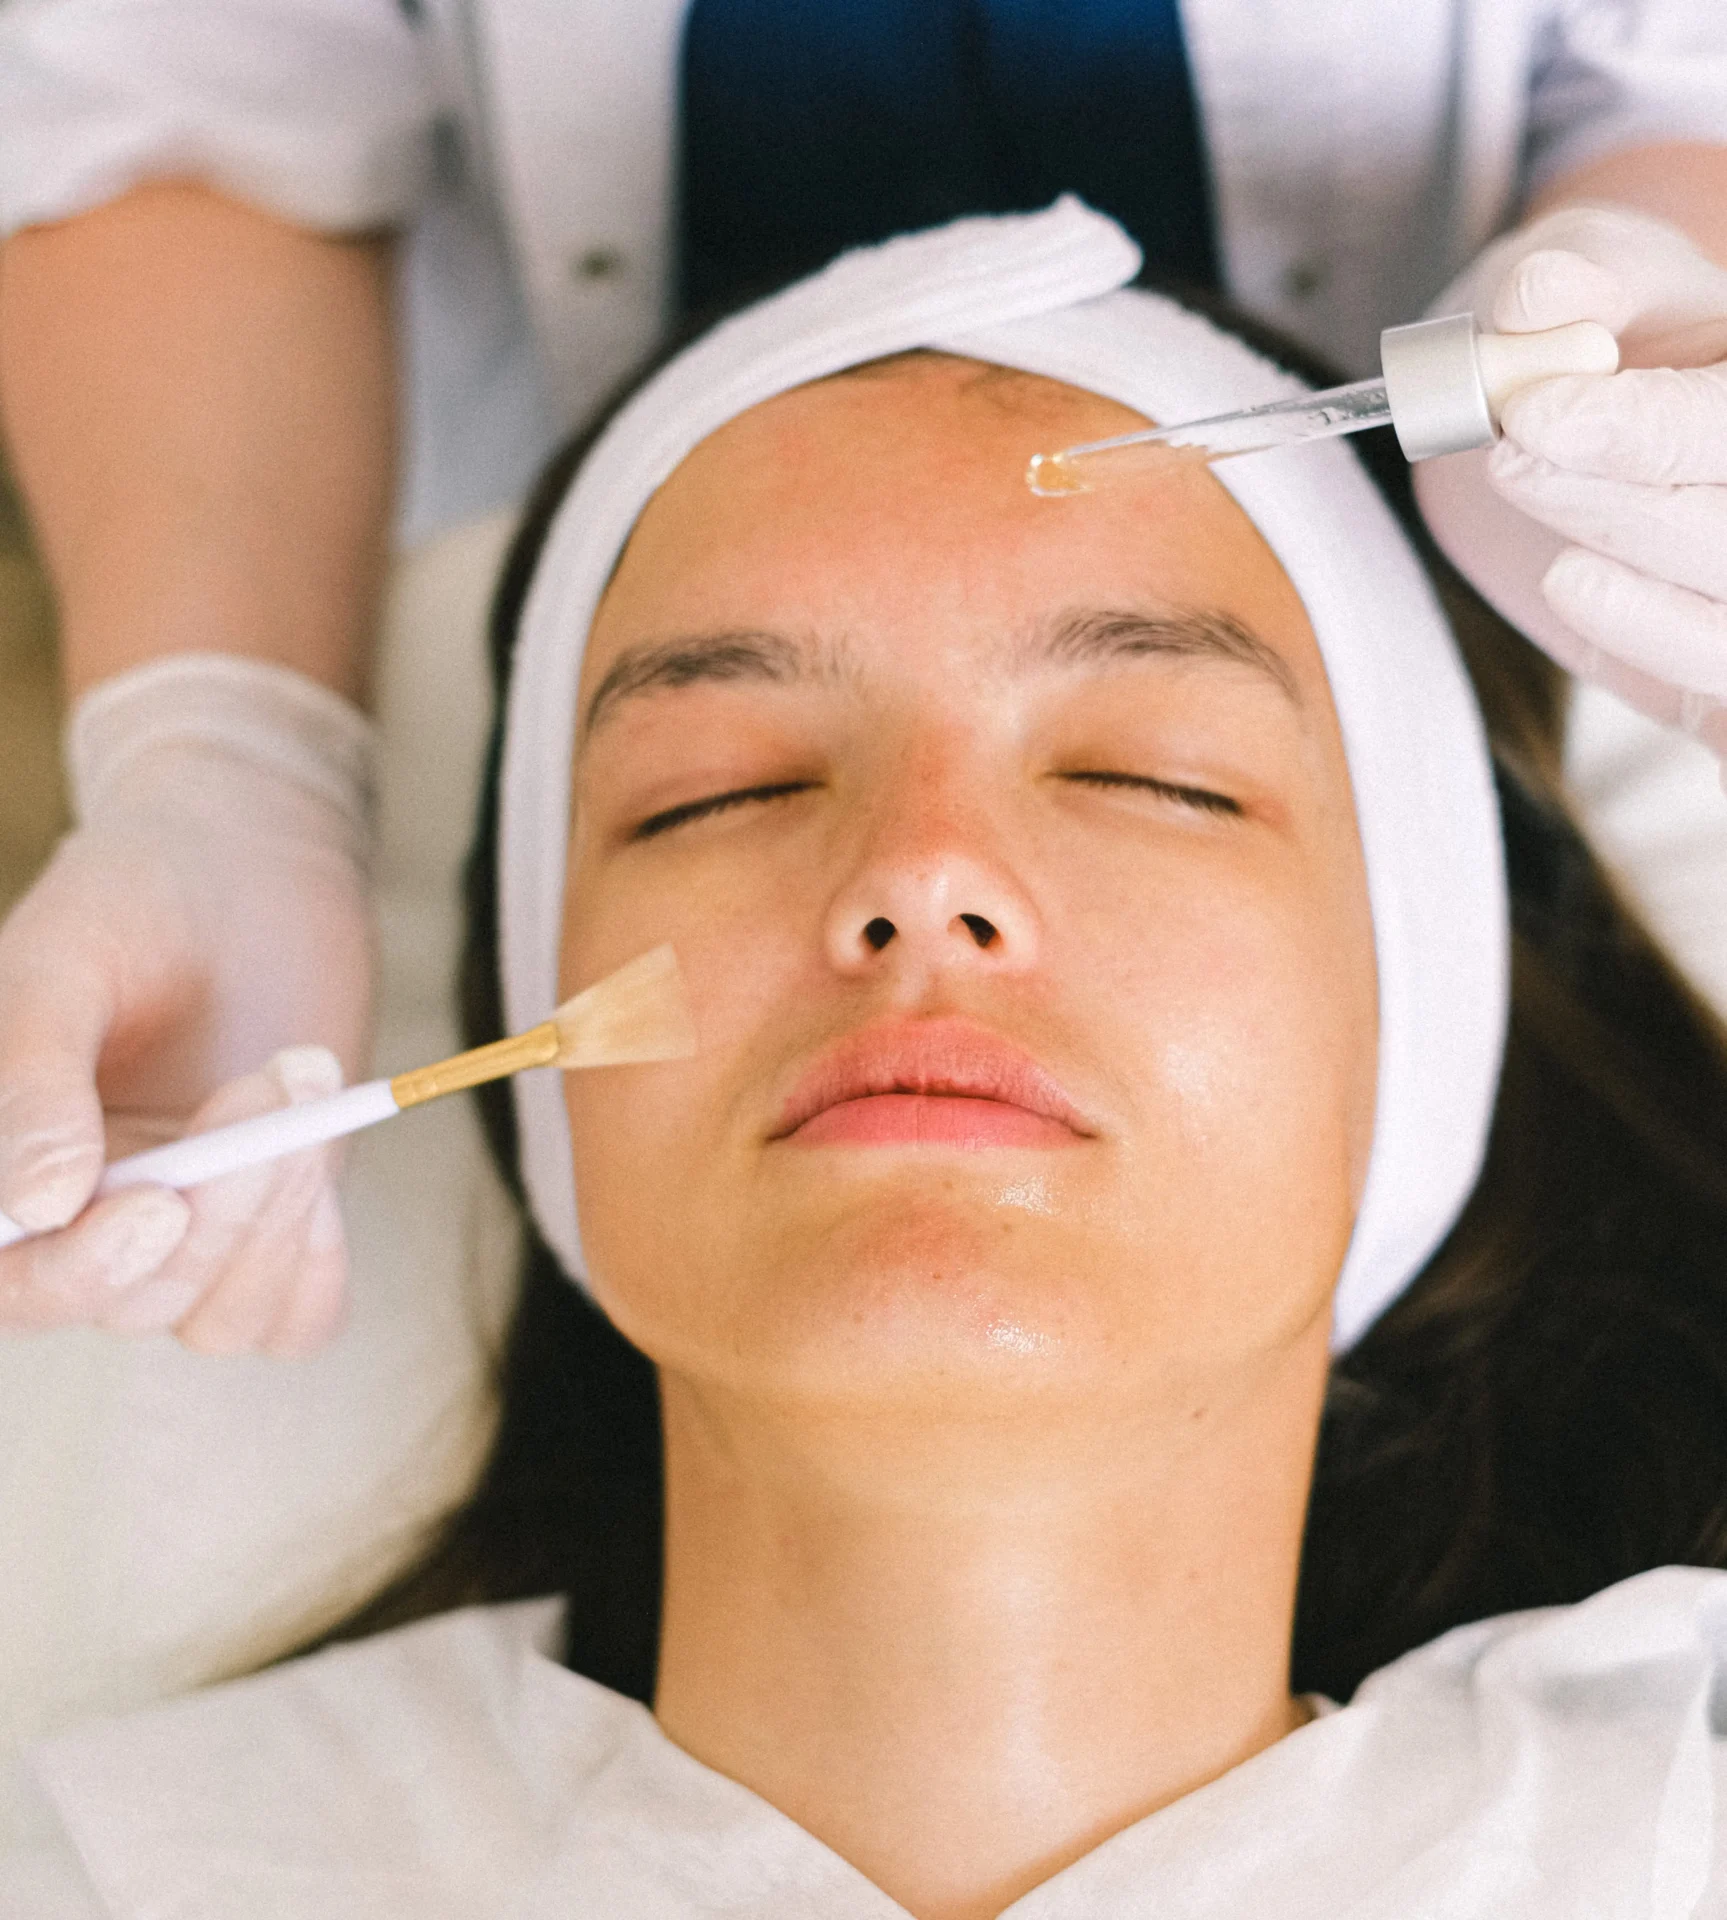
x=538, y=1047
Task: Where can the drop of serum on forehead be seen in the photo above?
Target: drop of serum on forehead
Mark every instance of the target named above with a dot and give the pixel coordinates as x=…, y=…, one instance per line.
x=1051, y=474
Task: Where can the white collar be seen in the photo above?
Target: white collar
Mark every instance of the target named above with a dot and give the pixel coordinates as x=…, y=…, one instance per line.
x=1550, y=1764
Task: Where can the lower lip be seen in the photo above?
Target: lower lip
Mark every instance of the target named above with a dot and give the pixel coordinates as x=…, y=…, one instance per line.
x=934, y=1120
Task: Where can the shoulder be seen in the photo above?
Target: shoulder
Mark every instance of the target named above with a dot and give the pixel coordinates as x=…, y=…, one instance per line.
x=414, y=1763
x=463, y=1663
x=1576, y=1752
x=1670, y=1619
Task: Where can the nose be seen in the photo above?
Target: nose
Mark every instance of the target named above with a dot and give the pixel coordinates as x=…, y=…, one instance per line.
x=931, y=889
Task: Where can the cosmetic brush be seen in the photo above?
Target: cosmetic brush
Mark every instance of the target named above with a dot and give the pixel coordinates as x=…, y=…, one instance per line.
x=639, y=1013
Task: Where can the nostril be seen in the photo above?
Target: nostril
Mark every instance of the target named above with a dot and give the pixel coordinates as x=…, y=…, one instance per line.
x=879, y=932
x=980, y=929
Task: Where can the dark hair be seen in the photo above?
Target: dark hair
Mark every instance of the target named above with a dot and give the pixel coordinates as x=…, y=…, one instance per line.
x=1543, y=1412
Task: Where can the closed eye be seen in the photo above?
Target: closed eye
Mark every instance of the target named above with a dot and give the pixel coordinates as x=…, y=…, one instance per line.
x=658, y=823
x=1201, y=798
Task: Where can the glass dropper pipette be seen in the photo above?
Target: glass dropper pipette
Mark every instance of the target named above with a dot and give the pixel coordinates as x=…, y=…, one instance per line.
x=1442, y=389
x=1281, y=423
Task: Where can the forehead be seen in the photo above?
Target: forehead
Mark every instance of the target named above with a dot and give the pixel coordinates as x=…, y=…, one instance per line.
x=892, y=499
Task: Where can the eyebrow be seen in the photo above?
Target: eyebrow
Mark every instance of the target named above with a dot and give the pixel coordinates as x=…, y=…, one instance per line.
x=745, y=655
x=1090, y=638
x=1103, y=637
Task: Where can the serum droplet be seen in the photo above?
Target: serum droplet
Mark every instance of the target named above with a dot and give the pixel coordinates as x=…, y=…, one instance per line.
x=1051, y=474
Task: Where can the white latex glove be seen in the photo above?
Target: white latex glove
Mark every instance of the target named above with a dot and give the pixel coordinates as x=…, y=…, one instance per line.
x=210, y=908
x=1615, y=558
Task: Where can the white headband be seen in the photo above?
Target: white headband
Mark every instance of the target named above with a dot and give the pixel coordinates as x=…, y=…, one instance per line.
x=1038, y=292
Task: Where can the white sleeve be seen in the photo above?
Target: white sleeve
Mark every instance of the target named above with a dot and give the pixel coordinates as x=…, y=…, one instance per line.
x=1622, y=73
x=320, y=111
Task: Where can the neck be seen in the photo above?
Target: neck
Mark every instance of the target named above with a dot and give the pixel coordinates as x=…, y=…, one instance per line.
x=963, y=1658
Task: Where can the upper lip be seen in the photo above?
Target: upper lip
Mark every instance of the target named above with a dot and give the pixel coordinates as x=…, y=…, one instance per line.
x=932, y=1056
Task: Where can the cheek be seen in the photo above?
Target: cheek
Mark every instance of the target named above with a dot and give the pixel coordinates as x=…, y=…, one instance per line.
x=1244, y=1047
x=1248, y=1027
x=743, y=926
x=656, y=1149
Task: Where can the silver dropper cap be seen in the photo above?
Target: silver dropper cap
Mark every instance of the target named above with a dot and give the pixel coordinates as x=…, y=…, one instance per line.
x=1446, y=381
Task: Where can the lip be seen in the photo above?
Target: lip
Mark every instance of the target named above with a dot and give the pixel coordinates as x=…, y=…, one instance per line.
x=941, y=1081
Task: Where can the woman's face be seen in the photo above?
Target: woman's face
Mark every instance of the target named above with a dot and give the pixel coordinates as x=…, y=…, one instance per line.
x=1008, y=848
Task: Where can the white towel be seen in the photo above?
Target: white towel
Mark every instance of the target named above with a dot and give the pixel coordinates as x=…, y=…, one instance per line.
x=1040, y=292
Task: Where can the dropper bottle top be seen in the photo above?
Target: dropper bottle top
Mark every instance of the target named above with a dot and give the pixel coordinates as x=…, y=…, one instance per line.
x=1442, y=388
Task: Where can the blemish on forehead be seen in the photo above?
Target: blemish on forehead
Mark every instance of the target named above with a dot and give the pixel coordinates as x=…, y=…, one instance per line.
x=1010, y=390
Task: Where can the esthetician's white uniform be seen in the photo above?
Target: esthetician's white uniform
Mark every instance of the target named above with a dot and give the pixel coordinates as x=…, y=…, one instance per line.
x=1543, y=1766
x=1362, y=151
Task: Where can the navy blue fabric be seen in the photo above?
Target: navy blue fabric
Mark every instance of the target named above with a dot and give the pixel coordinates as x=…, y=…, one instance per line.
x=810, y=126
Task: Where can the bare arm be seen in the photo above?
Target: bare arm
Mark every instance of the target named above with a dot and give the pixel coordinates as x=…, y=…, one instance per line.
x=200, y=405
x=199, y=402
x=1683, y=182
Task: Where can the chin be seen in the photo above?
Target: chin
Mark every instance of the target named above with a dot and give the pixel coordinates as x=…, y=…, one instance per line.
x=924, y=1293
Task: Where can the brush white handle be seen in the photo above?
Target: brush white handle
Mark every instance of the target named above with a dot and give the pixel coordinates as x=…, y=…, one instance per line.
x=247, y=1143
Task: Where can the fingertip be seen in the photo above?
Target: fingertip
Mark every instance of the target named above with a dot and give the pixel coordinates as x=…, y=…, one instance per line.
x=1587, y=590
x=215, y=1333
x=1667, y=638
x=306, y=1073
x=1580, y=587
x=49, y=1163
x=156, y=1219
x=55, y=1014
x=1510, y=466
x=124, y=1241
x=1569, y=568
x=1570, y=420
x=1552, y=287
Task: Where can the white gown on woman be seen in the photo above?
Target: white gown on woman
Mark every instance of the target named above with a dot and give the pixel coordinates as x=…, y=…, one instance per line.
x=1565, y=1764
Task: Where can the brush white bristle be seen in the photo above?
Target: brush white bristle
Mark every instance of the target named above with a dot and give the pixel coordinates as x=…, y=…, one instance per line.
x=641, y=1012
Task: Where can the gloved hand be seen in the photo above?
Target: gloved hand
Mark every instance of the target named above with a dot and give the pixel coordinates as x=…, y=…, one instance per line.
x=210, y=908
x=1615, y=558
